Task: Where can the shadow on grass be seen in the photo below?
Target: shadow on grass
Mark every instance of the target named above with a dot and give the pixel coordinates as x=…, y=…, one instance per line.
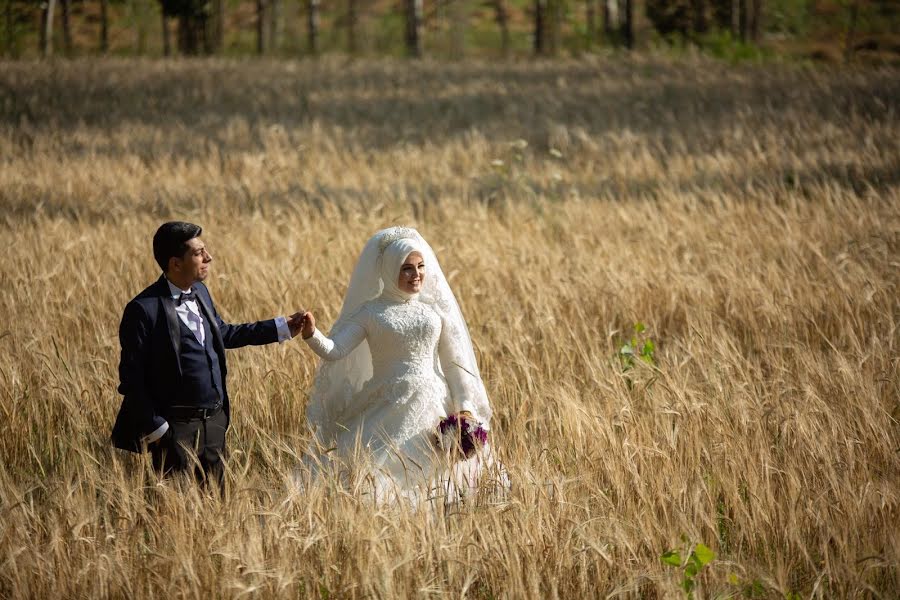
x=388, y=104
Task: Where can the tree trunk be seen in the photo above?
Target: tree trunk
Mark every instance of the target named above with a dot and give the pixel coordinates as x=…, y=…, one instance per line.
x=47, y=29
x=628, y=25
x=610, y=19
x=204, y=26
x=735, y=19
x=260, y=26
x=67, y=28
x=218, y=25
x=745, y=20
x=42, y=31
x=414, y=28
x=556, y=19
x=8, y=50
x=167, y=38
x=502, y=22
x=698, y=16
x=312, y=25
x=590, y=17
x=104, y=26
x=352, y=47
x=274, y=25
x=849, y=42
x=459, y=17
x=756, y=23
x=181, y=32
x=540, y=16
x=139, y=15
x=192, y=34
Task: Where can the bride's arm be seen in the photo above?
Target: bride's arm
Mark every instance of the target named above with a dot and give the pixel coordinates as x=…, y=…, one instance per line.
x=342, y=341
x=460, y=380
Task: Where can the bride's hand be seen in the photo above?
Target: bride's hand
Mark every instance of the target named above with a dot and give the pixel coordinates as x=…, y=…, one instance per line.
x=308, y=327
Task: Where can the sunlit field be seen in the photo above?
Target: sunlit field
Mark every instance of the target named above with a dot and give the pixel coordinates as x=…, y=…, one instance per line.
x=742, y=224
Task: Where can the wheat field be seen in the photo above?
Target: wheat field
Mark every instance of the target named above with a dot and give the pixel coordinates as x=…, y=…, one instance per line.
x=748, y=217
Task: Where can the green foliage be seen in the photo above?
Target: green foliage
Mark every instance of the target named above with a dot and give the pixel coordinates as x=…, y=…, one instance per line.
x=17, y=24
x=390, y=28
x=722, y=44
x=790, y=17
x=719, y=43
x=640, y=347
x=747, y=589
x=700, y=556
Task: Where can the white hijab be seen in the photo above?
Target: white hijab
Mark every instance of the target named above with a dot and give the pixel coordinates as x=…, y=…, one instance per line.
x=395, y=254
x=376, y=273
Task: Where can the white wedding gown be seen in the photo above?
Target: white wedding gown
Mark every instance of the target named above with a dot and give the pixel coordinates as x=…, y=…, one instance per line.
x=394, y=365
x=394, y=416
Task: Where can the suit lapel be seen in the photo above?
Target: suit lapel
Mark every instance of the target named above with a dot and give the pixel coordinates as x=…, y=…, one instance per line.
x=168, y=305
x=213, y=326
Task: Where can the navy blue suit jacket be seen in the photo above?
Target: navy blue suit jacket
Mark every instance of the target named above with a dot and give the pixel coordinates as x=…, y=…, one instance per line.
x=149, y=368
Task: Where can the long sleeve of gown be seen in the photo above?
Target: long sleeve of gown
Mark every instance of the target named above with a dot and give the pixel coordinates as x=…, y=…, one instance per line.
x=340, y=344
x=461, y=382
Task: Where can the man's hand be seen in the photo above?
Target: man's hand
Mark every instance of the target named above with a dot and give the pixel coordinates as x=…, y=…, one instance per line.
x=295, y=323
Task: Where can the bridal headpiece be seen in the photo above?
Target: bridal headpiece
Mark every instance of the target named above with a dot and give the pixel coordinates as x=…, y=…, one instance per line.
x=392, y=235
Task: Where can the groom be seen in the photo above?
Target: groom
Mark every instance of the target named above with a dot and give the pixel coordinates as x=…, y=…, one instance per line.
x=172, y=369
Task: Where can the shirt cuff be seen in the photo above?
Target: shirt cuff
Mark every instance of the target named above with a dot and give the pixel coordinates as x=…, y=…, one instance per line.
x=155, y=435
x=284, y=332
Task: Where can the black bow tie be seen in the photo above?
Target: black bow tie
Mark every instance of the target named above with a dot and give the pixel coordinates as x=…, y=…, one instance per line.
x=185, y=298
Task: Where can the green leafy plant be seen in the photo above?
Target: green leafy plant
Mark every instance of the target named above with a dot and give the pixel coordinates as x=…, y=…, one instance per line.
x=723, y=45
x=640, y=347
x=749, y=589
x=699, y=557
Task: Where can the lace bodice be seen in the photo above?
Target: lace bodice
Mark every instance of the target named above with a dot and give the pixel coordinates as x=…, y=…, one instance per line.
x=405, y=338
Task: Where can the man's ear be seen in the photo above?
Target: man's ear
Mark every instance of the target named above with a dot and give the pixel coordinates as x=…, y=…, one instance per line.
x=174, y=262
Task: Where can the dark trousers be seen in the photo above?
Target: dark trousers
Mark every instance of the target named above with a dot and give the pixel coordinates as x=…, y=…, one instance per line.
x=193, y=445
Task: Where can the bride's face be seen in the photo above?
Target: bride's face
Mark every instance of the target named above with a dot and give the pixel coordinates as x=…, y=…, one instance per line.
x=412, y=274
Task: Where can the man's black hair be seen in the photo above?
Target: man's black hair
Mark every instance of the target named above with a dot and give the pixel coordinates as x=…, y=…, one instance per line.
x=171, y=240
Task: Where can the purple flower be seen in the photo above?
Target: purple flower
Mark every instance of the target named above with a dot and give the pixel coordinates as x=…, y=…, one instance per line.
x=462, y=434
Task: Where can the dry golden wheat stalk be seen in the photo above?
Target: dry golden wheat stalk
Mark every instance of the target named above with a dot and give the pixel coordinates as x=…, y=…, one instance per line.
x=750, y=218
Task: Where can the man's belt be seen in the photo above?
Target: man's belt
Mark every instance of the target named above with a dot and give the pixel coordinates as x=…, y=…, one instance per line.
x=191, y=413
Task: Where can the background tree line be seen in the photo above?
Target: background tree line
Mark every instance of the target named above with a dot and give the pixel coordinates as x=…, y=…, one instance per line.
x=444, y=27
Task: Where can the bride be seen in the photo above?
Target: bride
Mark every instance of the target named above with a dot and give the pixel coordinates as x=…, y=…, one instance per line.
x=397, y=362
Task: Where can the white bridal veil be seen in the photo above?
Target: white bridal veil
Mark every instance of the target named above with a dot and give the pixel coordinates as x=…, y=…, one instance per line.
x=337, y=383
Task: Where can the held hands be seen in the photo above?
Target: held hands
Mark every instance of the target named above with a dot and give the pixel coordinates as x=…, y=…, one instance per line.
x=295, y=323
x=303, y=323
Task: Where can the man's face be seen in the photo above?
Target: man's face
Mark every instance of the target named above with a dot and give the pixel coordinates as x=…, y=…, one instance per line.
x=194, y=265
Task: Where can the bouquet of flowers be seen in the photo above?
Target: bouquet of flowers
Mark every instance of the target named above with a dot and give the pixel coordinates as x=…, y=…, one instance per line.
x=460, y=435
